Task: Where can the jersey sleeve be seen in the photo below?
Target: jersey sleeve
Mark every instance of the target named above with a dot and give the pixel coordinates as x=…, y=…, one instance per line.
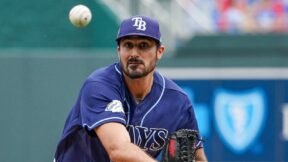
x=189, y=121
x=100, y=103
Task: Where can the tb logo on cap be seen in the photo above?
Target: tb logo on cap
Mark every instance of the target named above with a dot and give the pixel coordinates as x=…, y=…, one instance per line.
x=141, y=24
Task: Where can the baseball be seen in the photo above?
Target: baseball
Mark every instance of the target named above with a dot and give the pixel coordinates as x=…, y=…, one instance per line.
x=80, y=16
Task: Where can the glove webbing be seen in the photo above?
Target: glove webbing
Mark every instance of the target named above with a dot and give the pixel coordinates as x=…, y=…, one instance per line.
x=186, y=144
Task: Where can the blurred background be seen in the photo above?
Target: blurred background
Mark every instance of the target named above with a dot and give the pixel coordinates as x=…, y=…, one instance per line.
x=230, y=56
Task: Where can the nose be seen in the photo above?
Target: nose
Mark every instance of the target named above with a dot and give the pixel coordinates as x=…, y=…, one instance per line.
x=134, y=52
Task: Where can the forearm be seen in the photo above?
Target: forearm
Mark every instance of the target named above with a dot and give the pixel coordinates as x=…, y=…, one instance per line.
x=118, y=145
x=130, y=153
x=200, y=155
x=200, y=158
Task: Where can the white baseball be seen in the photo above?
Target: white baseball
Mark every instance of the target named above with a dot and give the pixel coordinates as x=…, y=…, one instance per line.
x=80, y=15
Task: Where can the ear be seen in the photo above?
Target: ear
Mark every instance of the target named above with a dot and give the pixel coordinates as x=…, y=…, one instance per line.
x=160, y=52
x=118, y=52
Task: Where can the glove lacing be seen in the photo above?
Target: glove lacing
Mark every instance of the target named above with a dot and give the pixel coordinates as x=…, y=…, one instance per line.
x=187, y=150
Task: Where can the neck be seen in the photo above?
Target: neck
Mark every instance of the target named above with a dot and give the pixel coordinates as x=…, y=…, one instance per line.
x=140, y=87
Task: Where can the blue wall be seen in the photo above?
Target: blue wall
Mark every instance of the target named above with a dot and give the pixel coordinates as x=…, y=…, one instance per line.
x=241, y=120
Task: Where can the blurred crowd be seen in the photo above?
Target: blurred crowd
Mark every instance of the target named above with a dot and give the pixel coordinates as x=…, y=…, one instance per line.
x=250, y=16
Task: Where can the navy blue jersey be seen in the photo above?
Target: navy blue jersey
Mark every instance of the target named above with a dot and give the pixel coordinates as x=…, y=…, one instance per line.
x=105, y=98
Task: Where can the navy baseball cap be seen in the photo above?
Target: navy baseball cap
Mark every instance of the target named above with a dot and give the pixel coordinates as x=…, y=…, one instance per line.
x=139, y=26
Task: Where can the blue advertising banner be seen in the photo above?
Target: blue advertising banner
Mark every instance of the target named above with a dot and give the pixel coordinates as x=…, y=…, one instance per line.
x=241, y=119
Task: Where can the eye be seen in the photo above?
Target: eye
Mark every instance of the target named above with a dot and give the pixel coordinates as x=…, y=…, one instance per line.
x=128, y=45
x=143, y=45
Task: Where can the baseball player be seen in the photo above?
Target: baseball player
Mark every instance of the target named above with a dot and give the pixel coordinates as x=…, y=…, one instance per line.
x=125, y=111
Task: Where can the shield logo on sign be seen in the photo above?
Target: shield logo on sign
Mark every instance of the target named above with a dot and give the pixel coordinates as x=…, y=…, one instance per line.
x=239, y=117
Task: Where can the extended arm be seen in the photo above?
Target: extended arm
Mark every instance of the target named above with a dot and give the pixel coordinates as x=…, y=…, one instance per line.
x=116, y=141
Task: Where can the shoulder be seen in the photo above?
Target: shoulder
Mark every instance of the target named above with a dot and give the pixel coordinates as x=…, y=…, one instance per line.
x=106, y=80
x=104, y=84
x=170, y=86
x=108, y=75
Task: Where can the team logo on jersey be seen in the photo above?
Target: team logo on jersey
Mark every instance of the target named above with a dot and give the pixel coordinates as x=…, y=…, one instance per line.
x=139, y=23
x=115, y=106
x=239, y=117
x=149, y=139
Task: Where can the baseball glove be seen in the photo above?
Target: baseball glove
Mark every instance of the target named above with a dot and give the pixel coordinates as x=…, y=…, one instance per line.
x=180, y=146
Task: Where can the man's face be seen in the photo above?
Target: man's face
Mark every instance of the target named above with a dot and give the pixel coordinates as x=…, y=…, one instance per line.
x=138, y=56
